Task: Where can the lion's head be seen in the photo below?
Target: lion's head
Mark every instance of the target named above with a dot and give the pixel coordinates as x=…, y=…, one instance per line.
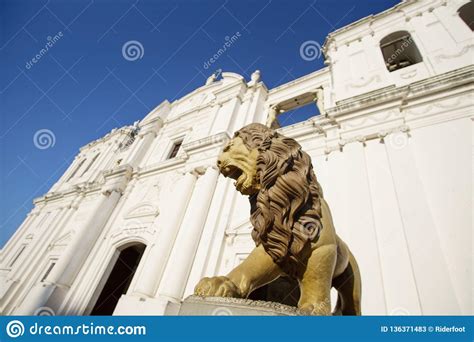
x=239, y=162
x=285, y=197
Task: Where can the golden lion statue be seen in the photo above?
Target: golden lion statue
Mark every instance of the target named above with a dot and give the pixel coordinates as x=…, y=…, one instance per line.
x=292, y=226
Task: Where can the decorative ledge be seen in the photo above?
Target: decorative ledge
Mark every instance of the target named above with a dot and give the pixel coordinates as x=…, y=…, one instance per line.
x=163, y=165
x=413, y=90
x=215, y=140
x=220, y=306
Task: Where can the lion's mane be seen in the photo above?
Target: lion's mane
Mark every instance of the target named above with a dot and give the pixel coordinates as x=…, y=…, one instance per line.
x=286, y=212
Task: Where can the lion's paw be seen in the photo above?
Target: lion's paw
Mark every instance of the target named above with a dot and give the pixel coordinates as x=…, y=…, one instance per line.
x=318, y=309
x=216, y=287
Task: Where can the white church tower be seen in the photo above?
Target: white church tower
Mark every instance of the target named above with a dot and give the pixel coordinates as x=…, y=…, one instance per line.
x=142, y=213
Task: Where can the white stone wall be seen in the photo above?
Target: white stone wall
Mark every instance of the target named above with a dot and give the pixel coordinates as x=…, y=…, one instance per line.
x=355, y=59
x=393, y=152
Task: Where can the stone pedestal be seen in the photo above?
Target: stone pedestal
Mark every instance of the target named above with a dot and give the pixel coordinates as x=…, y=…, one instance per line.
x=218, y=306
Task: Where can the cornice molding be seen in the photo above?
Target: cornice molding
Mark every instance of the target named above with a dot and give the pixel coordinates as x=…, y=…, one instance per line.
x=413, y=90
x=85, y=188
x=113, y=133
x=216, y=140
x=364, y=26
x=163, y=166
x=316, y=74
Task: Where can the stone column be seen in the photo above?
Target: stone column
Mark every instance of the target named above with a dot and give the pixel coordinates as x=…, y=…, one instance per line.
x=56, y=286
x=319, y=100
x=141, y=146
x=83, y=240
x=27, y=222
x=182, y=257
x=15, y=273
x=225, y=116
x=19, y=233
x=40, y=242
x=218, y=210
x=171, y=216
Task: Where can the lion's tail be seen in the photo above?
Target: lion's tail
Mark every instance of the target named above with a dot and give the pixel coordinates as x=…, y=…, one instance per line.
x=349, y=288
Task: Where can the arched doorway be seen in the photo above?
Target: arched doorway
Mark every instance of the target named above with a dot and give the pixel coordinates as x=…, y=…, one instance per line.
x=119, y=279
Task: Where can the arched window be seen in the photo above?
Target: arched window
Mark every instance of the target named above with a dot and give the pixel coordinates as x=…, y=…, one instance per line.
x=466, y=13
x=399, y=51
x=118, y=280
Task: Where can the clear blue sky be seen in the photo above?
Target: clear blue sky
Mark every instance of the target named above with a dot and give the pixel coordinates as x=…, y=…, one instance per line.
x=82, y=87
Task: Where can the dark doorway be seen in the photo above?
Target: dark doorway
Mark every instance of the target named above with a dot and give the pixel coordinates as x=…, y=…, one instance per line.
x=119, y=280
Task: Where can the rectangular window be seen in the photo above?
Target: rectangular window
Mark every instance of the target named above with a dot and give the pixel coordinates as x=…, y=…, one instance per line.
x=297, y=108
x=90, y=164
x=75, y=170
x=298, y=114
x=48, y=271
x=175, y=149
x=22, y=248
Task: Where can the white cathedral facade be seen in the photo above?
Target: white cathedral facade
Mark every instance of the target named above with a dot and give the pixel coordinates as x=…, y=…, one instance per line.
x=141, y=215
